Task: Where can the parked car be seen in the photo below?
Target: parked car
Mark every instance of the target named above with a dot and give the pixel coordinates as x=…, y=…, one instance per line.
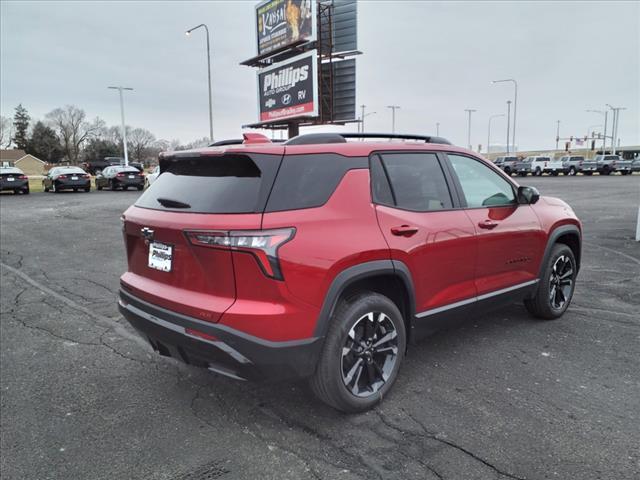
x=606, y=164
x=118, y=176
x=152, y=176
x=13, y=179
x=97, y=165
x=574, y=164
x=537, y=165
x=635, y=165
x=66, y=178
x=508, y=164
x=323, y=258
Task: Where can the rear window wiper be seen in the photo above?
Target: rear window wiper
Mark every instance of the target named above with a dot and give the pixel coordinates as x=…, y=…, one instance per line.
x=167, y=202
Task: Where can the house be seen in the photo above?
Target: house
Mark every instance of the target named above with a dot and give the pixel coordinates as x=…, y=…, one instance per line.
x=29, y=164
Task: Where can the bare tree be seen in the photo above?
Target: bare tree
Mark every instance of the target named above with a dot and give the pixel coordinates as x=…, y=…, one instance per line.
x=139, y=141
x=6, y=132
x=73, y=129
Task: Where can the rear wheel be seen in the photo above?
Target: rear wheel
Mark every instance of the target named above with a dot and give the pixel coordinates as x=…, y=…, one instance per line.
x=605, y=171
x=555, y=173
x=507, y=170
x=25, y=191
x=54, y=188
x=538, y=172
x=362, y=353
x=112, y=185
x=572, y=171
x=87, y=189
x=587, y=173
x=556, y=286
x=140, y=187
x=75, y=190
x=125, y=187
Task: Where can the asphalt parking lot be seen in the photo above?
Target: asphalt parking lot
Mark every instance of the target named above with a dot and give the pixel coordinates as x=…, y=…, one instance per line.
x=501, y=396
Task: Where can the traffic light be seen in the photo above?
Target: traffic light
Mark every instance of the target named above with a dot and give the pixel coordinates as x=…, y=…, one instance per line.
x=593, y=145
x=567, y=145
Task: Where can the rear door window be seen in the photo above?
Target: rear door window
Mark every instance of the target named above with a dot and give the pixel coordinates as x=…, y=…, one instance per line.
x=231, y=183
x=415, y=182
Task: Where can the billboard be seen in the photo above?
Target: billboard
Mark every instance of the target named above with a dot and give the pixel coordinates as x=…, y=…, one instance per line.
x=280, y=23
x=289, y=89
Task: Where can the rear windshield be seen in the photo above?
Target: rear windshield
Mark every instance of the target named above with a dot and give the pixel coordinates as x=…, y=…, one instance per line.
x=10, y=171
x=70, y=170
x=127, y=170
x=213, y=184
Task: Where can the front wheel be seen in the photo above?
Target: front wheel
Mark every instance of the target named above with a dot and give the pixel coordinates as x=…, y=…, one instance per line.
x=572, y=171
x=538, y=172
x=87, y=189
x=556, y=286
x=362, y=353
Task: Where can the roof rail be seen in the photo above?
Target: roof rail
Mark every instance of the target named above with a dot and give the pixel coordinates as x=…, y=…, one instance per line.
x=319, y=138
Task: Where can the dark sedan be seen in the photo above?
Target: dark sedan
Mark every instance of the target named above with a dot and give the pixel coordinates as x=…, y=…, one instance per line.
x=118, y=176
x=66, y=178
x=13, y=179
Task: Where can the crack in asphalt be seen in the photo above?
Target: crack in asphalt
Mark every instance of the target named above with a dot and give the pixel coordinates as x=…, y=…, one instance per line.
x=460, y=448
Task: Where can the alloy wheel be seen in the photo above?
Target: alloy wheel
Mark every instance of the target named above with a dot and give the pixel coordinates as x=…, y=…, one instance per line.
x=369, y=354
x=561, y=282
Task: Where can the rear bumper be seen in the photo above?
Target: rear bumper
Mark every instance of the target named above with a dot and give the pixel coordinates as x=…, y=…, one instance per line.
x=231, y=352
x=16, y=185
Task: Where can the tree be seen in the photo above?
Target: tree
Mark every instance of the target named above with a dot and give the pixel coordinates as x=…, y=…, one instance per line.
x=138, y=141
x=98, y=148
x=44, y=144
x=6, y=132
x=73, y=129
x=20, y=127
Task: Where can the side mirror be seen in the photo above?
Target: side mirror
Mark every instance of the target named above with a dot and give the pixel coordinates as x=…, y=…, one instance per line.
x=528, y=195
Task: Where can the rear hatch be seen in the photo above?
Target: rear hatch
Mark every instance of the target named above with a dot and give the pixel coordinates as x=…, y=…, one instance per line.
x=214, y=191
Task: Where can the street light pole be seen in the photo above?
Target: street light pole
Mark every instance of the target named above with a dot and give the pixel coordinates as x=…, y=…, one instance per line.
x=469, y=112
x=604, y=134
x=508, y=123
x=393, y=116
x=188, y=32
x=363, y=106
x=557, y=133
x=614, y=127
x=124, y=128
x=489, y=130
x=437, y=129
x=515, y=106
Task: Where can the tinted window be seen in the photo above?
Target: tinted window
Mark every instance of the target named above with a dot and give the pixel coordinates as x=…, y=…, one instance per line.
x=482, y=187
x=306, y=181
x=380, y=188
x=417, y=181
x=212, y=184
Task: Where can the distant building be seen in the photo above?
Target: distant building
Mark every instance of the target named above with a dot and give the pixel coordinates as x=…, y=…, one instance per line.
x=29, y=164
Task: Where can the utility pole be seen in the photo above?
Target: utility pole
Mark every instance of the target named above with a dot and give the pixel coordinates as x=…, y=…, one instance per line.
x=469, y=112
x=187, y=33
x=489, y=130
x=393, y=116
x=515, y=106
x=557, y=133
x=437, y=129
x=363, y=106
x=508, y=123
x=614, y=127
x=124, y=128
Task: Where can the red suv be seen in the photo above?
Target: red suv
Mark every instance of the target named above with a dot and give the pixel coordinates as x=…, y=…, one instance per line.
x=324, y=258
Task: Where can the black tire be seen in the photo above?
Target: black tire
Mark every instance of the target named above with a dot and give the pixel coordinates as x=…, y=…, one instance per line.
x=99, y=187
x=507, y=170
x=522, y=174
x=140, y=187
x=587, y=173
x=544, y=304
x=538, y=172
x=572, y=171
x=75, y=190
x=112, y=185
x=329, y=382
x=26, y=191
x=54, y=188
x=605, y=171
x=16, y=191
x=125, y=187
x=87, y=189
x=624, y=172
x=44, y=187
x=555, y=173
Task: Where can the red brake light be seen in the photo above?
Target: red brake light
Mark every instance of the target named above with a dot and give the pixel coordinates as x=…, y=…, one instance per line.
x=62, y=176
x=196, y=333
x=23, y=177
x=120, y=175
x=86, y=175
x=263, y=244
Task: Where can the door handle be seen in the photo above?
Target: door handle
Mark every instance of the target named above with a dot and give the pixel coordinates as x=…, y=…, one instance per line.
x=404, y=230
x=488, y=224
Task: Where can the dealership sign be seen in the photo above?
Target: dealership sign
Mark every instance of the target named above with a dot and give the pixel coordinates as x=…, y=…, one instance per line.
x=288, y=89
x=280, y=23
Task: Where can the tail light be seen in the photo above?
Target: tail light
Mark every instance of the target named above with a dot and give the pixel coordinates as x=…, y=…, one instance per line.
x=262, y=244
x=62, y=177
x=23, y=177
x=120, y=175
x=86, y=175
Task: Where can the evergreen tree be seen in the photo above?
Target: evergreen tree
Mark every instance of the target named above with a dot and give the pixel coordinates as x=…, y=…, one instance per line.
x=20, y=127
x=44, y=144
